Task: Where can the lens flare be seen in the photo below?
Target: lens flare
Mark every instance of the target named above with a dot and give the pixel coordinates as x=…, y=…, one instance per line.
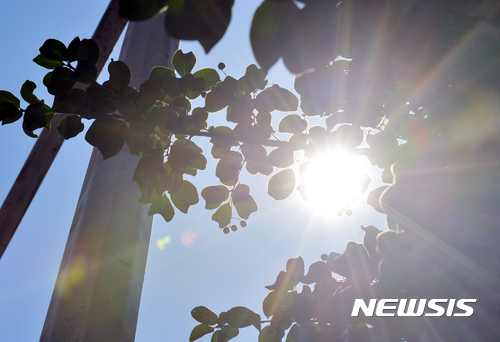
x=333, y=180
x=188, y=238
x=161, y=243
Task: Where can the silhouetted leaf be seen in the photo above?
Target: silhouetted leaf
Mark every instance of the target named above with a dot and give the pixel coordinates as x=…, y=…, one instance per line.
x=70, y=126
x=119, y=77
x=292, y=123
x=47, y=63
x=204, y=315
x=211, y=77
x=6, y=96
x=37, y=116
x=185, y=197
x=214, y=196
x=27, y=92
x=275, y=301
x=107, y=134
x=244, y=209
x=54, y=49
x=223, y=215
x=199, y=331
x=163, y=207
x=202, y=20
x=225, y=334
x=183, y=62
x=267, y=31
x=281, y=157
x=140, y=9
x=9, y=112
x=281, y=185
x=271, y=334
x=228, y=167
x=240, y=317
x=277, y=98
x=60, y=81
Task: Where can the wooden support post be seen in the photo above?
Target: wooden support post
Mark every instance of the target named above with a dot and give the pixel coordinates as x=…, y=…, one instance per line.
x=98, y=289
x=48, y=144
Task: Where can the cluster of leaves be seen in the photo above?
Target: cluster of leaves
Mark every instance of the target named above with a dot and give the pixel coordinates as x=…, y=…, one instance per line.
x=157, y=123
x=385, y=265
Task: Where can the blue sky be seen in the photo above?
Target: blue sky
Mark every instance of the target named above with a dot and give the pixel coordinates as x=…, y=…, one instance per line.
x=200, y=265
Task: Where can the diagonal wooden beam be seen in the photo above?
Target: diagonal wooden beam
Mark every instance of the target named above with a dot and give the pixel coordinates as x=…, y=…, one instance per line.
x=42, y=155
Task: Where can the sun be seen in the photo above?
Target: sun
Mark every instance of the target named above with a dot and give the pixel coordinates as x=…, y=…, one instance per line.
x=333, y=180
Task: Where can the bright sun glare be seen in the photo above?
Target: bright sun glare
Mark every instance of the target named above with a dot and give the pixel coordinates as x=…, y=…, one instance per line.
x=333, y=180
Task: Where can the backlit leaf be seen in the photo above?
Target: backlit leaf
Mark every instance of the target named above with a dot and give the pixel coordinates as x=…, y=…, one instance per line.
x=163, y=207
x=214, y=196
x=6, y=96
x=228, y=167
x=185, y=197
x=281, y=185
x=70, y=126
x=199, y=331
x=275, y=301
x=54, y=49
x=244, y=209
x=211, y=77
x=27, y=92
x=204, y=315
x=47, y=63
x=240, y=317
x=107, y=134
x=183, y=62
x=277, y=98
x=223, y=215
x=292, y=123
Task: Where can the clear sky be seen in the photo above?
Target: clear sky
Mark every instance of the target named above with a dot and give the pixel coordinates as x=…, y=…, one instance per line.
x=200, y=265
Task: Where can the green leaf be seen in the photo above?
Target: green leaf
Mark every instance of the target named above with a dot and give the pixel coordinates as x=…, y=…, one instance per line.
x=107, y=134
x=223, y=215
x=27, y=92
x=160, y=71
x=281, y=185
x=6, y=96
x=204, y=315
x=140, y=9
x=253, y=79
x=37, y=116
x=202, y=20
x=211, y=77
x=54, y=49
x=295, y=267
x=275, y=301
x=240, y=317
x=228, y=167
x=244, y=209
x=47, y=63
x=292, y=123
x=163, y=207
x=214, y=196
x=185, y=197
x=199, y=331
x=183, y=62
x=281, y=157
x=9, y=112
x=70, y=126
x=72, y=102
x=277, y=98
x=88, y=51
x=61, y=81
x=268, y=30
x=86, y=72
x=119, y=77
x=271, y=334
x=73, y=48
x=225, y=334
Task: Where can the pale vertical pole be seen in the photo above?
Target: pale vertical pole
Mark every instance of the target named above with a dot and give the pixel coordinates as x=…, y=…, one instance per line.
x=98, y=289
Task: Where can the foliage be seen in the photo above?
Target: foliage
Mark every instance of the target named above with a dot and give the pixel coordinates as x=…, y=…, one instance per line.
x=414, y=82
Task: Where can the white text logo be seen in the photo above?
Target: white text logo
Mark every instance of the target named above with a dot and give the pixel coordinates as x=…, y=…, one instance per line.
x=413, y=307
